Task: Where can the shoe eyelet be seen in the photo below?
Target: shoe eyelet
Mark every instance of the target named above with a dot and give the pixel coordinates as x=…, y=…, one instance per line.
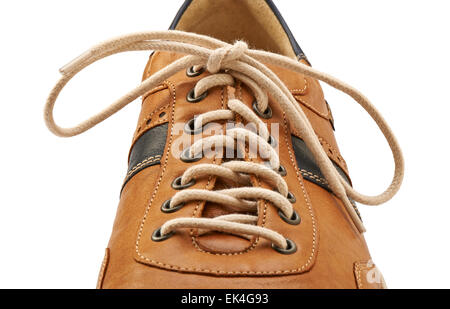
x=189, y=128
x=156, y=236
x=293, y=220
x=291, y=247
x=191, y=96
x=165, y=207
x=190, y=72
x=282, y=170
x=272, y=141
x=185, y=157
x=265, y=115
x=291, y=198
x=176, y=184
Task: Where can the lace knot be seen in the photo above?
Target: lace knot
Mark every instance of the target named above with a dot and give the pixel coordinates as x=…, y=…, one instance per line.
x=225, y=54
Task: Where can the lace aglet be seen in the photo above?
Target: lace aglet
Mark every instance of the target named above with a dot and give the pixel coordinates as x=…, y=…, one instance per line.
x=69, y=67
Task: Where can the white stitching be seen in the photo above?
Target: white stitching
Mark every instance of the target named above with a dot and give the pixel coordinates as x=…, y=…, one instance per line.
x=145, y=161
x=308, y=174
x=164, y=265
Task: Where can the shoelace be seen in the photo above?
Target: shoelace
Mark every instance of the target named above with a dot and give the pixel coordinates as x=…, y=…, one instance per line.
x=246, y=65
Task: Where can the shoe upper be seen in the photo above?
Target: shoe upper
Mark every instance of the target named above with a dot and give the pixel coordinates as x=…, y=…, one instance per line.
x=169, y=233
x=330, y=248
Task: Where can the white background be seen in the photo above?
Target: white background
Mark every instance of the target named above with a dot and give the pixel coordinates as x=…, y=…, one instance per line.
x=59, y=196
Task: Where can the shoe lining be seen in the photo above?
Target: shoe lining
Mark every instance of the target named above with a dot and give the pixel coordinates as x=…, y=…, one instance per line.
x=229, y=20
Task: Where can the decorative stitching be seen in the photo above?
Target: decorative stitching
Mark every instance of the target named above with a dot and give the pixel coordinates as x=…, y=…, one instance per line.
x=145, y=161
x=164, y=166
x=300, y=91
x=153, y=91
x=308, y=174
x=336, y=153
x=312, y=108
x=194, y=269
x=101, y=275
x=305, y=195
x=144, y=124
x=358, y=275
x=361, y=266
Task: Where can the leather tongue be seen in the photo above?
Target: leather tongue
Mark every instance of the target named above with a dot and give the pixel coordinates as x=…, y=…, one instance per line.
x=215, y=241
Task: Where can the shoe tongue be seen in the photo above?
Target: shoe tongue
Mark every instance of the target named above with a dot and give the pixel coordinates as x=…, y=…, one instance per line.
x=216, y=241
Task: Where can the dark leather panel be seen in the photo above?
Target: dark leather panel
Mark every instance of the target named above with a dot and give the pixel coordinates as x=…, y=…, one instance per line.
x=311, y=171
x=147, y=151
x=308, y=166
x=298, y=51
x=149, y=148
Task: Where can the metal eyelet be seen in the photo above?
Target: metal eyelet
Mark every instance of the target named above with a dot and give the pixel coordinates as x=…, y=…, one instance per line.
x=185, y=157
x=293, y=220
x=190, y=72
x=291, y=247
x=189, y=128
x=272, y=141
x=266, y=114
x=191, y=96
x=291, y=198
x=156, y=236
x=165, y=207
x=176, y=183
x=282, y=170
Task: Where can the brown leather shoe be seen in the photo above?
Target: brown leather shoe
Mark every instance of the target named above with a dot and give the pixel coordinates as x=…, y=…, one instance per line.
x=235, y=179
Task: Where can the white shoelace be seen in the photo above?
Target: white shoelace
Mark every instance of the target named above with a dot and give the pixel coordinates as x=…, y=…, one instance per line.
x=246, y=65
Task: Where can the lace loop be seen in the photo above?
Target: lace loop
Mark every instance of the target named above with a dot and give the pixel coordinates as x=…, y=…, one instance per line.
x=225, y=54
